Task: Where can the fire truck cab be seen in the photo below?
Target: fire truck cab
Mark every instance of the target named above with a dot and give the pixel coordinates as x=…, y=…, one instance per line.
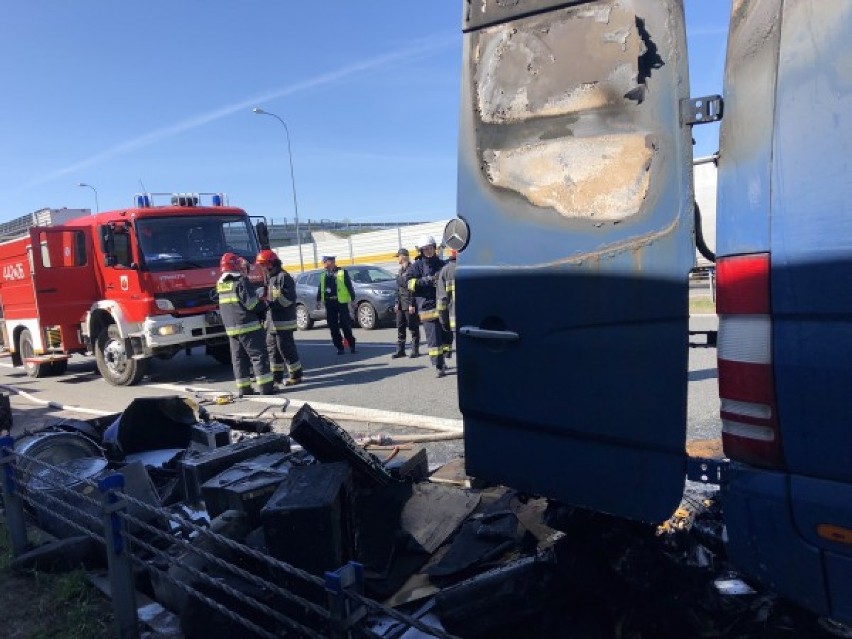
x=124, y=285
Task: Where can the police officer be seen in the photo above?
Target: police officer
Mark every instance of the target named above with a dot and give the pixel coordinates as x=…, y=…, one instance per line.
x=281, y=321
x=446, y=305
x=422, y=281
x=406, y=312
x=242, y=312
x=336, y=292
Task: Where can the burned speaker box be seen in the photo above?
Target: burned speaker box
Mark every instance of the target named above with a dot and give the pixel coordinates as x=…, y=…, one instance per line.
x=197, y=466
x=308, y=521
x=247, y=486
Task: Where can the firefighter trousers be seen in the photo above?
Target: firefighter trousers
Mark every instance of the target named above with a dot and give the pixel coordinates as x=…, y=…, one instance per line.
x=435, y=340
x=248, y=354
x=447, y=338
x=283, y=355
x=338, y=318
x=410, y=321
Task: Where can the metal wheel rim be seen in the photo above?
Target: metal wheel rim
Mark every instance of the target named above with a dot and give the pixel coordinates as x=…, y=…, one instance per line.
x=365, y=315
x=115, y=357
x=301, y=317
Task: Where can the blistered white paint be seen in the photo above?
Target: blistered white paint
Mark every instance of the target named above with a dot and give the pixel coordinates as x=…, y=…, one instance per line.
x=605, y=177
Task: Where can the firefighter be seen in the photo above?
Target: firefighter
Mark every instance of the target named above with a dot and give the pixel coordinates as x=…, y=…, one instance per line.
x=406, y=313
x=336, y=292
x=422, y=281
x=446, y=294
x=242, y=313
x=281, y=320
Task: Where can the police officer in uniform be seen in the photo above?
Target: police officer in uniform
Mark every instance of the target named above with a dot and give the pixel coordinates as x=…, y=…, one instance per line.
x=242, y=313
x=406, y=312
x=422, y=281
x=281, y=320
x=336, y=292
x=446, y=294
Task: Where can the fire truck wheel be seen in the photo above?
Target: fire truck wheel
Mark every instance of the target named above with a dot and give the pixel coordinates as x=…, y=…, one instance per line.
x=27, y=351
x=114, y=362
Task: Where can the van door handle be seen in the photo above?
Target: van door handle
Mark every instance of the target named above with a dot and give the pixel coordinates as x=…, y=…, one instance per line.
x=482, y=333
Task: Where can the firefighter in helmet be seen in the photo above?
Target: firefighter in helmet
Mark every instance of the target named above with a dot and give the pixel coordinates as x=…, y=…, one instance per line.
x=281, y=319
x=446, y=295
x=422, y=282
x=242, y=314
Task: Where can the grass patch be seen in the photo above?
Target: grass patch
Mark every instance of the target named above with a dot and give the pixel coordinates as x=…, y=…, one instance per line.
x=702, y=305
x=39, y=605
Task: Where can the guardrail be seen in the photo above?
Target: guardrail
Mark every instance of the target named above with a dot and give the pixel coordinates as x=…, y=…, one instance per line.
x=333, y=606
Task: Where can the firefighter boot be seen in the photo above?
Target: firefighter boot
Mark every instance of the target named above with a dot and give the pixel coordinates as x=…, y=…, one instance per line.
x=278, y=377
x=415, y=348
x=267, y=389
x=295, y=378
x=245, y=392
x=400, y=350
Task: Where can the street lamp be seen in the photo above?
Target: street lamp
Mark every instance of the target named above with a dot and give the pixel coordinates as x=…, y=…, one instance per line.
x=97, y=206
x=260, y=111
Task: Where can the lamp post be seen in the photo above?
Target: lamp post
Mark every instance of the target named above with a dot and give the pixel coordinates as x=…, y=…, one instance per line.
x=97, y=206
x=260, y=111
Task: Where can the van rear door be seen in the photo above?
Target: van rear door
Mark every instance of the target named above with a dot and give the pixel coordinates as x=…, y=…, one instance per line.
x=575, y=177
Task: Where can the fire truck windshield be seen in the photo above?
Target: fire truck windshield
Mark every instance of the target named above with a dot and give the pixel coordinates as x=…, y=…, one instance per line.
x=179, y=243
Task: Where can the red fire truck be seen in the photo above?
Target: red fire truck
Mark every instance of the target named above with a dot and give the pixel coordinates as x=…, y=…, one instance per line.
x=124, y=285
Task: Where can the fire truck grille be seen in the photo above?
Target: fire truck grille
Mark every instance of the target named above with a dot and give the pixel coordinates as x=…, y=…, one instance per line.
x=189, y=300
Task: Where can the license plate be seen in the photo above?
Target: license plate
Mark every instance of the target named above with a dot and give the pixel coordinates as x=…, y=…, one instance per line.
x=212, y=318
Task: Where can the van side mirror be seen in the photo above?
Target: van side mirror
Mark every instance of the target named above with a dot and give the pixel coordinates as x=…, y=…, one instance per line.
x=262, y=234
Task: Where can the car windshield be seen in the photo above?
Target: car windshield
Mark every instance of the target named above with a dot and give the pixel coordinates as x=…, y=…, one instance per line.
x=369, y=275
x=178, y=243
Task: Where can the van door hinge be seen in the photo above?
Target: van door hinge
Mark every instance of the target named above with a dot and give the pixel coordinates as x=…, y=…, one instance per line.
x=701, y=110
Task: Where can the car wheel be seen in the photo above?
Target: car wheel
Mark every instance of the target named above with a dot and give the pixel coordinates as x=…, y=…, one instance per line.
x=27, y=350
x=114, y=360
x=303, y=318
x=367, y=317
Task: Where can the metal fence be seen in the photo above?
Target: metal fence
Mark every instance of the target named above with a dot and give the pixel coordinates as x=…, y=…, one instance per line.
x=308, y=605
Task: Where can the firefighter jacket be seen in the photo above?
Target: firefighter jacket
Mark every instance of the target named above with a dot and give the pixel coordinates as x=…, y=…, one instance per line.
x=281, y=294
x=422, y=281
x=340, y=290
x=404, y=298
x=446, y=294
x=239, y=307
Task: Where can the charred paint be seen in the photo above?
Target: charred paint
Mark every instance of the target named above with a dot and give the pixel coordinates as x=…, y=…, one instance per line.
x=546, y=122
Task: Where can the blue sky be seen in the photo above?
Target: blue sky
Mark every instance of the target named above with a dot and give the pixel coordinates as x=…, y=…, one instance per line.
x=111, y=93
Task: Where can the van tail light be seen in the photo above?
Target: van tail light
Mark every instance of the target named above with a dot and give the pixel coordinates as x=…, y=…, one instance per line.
x=750, y=432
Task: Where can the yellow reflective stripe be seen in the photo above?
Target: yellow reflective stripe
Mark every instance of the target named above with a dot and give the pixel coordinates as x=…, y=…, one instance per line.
x=285, y=325
x=224, y=287
x=434, y=352
x=264, y=379
x=442, y=306
x=277, y=368
x=294, y=367
x=447, y=348
x=412, y=284
x=450, y=287
x=242, y=329
x=228, y=299
x=453, y=323
x=251, y=303
x=428, y=315
x=243, y=383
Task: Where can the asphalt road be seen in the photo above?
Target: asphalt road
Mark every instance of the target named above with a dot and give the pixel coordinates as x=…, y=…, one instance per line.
x=369, y=379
